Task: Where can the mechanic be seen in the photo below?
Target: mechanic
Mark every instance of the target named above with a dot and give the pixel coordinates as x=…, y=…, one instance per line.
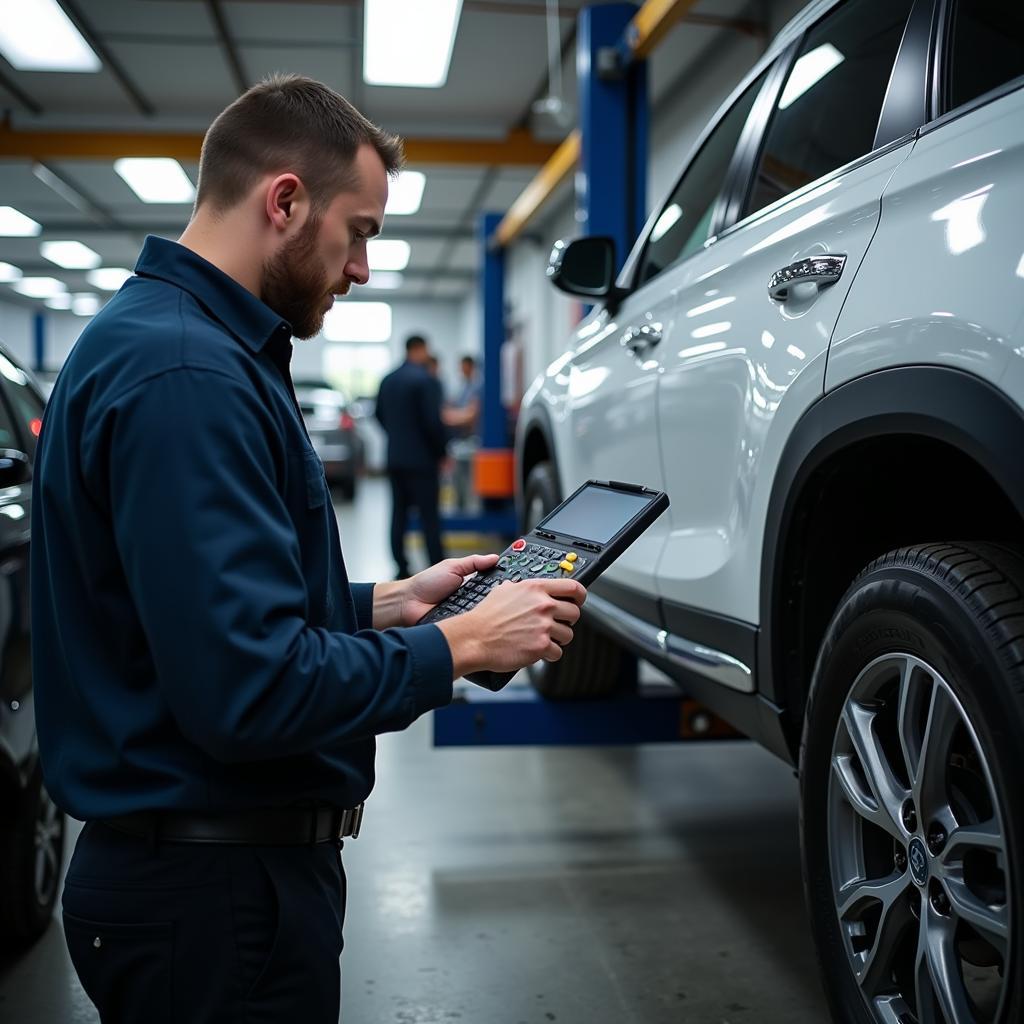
x=208, y=682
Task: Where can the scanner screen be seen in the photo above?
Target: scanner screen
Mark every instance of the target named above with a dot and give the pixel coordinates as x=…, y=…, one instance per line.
x=596, y=514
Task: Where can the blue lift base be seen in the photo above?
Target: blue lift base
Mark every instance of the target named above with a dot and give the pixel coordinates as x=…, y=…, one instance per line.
x=518, y=716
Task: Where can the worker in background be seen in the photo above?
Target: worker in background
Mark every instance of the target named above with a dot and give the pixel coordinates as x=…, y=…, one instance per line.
x=208, y=683
x=409, y=410
x=462, y=417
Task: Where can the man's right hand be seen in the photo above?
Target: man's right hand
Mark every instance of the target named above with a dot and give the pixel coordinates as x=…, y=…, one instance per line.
x=514, y=626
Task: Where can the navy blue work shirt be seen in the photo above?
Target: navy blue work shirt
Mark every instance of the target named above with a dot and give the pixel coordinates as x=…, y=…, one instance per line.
x=196, y=643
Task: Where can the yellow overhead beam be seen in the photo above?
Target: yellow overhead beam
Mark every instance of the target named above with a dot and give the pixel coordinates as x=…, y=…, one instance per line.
x=652, y=23
x=539, y=191
x=647, y=28
x=516, y=150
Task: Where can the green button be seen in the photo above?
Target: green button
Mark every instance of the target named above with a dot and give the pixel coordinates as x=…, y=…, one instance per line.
x=551, y=567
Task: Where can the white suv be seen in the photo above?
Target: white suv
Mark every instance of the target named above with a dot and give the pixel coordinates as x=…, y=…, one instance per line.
x=817, y=348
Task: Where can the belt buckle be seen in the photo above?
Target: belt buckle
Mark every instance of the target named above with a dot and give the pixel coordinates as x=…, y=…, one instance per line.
x=355, y=821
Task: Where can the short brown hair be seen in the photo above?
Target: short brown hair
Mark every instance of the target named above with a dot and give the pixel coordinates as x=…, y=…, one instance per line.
x=288, y=123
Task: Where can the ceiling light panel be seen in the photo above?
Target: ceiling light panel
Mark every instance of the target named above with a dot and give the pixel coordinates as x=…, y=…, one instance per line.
x=384, y=280
x=156, y=179
x=59, y=301
x=14, y=224
x=9, y=273
x=70, y=255
x=388, y=254
x=109, y=279
x=36, y=35
x=405, y=193
x=85, y=304
x=409, y=42
x=39, y=287
x=358, y=321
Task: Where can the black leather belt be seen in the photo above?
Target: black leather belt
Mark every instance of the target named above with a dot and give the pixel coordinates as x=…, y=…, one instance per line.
x=272, y=826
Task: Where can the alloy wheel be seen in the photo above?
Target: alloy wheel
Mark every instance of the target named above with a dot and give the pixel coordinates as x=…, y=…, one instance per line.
x=918, y=852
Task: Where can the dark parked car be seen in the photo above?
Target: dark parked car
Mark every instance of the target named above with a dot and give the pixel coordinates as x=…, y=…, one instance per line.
x=31, y=826
x=333, y=433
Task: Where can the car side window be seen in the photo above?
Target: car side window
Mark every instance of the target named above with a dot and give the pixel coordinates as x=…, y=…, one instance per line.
x=8, y=434
x=685, y=221
x=827, y=112
x=987, y=48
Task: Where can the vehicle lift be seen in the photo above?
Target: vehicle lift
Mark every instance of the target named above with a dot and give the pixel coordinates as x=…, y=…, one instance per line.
x=517, y=716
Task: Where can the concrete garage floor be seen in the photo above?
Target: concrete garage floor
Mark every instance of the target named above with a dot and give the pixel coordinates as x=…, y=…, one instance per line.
x=591, y=886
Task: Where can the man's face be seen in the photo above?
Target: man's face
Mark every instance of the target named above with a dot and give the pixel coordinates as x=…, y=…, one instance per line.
x=327, y=255
x=467, y=369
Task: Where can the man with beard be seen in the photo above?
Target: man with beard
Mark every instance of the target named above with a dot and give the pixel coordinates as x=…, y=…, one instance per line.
x=208, y=682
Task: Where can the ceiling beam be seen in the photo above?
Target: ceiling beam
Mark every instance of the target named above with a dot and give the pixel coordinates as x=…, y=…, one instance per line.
x=517, y=149
x=395, y=229
x=227, y=45
x=112, y=64
x=539, y=191
x=653, y=22
x=48, y=269
x=19, y=94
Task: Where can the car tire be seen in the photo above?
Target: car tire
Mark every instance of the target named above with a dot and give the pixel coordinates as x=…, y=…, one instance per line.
x=31, y=857
x=912, y=812
x=592, y=665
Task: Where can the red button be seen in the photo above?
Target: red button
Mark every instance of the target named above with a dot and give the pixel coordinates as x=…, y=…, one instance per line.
x=518, y=545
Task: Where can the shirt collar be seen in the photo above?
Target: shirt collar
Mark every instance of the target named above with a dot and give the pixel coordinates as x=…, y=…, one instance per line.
x=250, y=320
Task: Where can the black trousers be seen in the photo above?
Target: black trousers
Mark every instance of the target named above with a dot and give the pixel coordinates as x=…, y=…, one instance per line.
x=195, y=933
x=417, y=489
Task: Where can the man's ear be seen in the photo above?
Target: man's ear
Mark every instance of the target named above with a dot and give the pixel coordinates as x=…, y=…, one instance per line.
x=287, y=201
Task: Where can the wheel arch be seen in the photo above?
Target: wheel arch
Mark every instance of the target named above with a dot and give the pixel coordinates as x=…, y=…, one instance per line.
x=861, y=474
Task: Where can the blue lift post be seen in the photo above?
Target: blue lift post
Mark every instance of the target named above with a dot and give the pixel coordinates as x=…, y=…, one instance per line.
x=39, y=339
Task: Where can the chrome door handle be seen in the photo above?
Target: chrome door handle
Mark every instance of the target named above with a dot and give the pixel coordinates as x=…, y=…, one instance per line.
x=819, y=270
x=639, y=339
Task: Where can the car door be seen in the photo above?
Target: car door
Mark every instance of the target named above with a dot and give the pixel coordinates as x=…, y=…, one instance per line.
x=20, y=420
x=757, y=306
x=613, y=375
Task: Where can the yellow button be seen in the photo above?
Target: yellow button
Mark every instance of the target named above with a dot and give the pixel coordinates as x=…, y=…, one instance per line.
x=566, y=565
x=571, y=557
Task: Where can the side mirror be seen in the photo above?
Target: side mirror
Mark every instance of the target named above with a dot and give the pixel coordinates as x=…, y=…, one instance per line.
x=15, y=469
x=584, y=267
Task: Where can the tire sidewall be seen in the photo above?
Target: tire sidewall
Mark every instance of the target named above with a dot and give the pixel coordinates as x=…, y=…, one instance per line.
x=888, y=611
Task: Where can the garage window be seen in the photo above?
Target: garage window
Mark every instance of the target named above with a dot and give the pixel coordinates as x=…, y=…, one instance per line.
x=827, y=113
x=684, y=223
x=987, y=48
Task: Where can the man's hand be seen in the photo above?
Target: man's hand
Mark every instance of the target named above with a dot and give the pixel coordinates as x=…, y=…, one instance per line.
x=514, y=626
x=430, y=587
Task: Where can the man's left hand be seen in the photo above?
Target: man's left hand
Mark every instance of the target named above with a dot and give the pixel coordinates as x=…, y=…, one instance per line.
x=430, y=587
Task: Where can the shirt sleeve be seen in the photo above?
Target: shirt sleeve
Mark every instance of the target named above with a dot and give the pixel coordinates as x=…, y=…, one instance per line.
x=213, y=564
x=362, y=595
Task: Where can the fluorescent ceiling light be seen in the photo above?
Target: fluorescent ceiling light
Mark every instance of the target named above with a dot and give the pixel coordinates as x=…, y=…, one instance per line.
x=385, y=280
x=39, y=287
x=70, y=255
x=14, y=224
x=388, y=254
x=156, y=179
x=9, y=273
x=409, y=42
x=36, y=35
x=61, y=301
x=405, y=193
x=358, y=321
x=108, y=278
x=810, y=69
x=85, y=304
x=665, y=221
